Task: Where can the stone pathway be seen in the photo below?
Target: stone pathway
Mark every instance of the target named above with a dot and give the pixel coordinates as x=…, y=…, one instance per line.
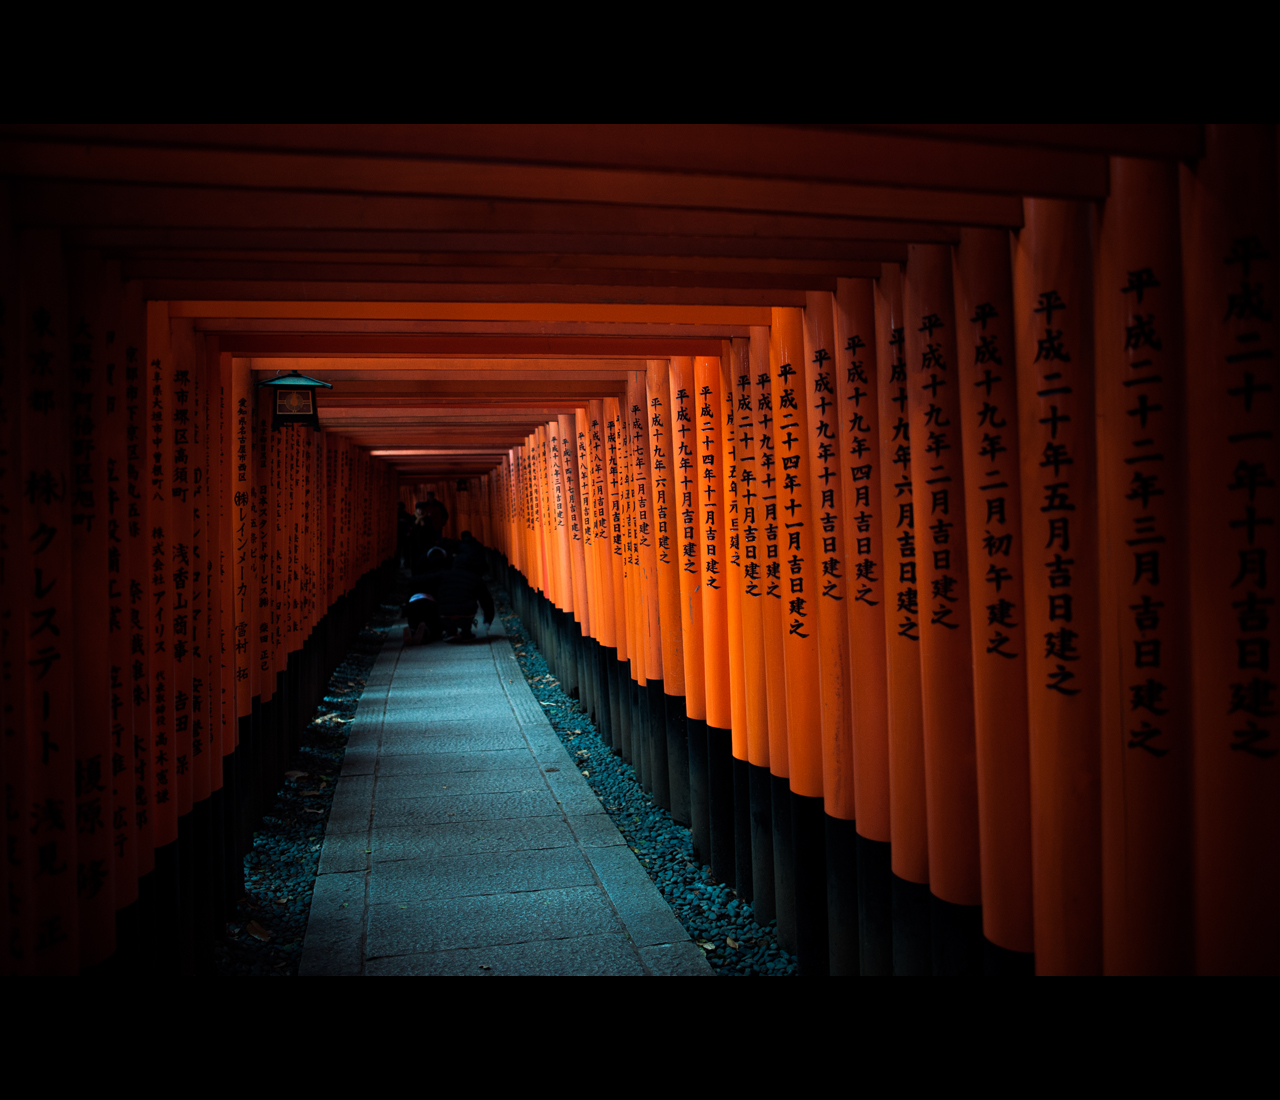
x=463, y=840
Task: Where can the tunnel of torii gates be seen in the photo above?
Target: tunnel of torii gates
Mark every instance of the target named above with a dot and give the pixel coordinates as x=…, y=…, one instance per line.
x=898, y=500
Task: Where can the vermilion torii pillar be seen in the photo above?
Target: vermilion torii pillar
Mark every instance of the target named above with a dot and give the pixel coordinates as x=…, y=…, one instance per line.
x=986, y=375
x=1229, y=241
x=1053, y=305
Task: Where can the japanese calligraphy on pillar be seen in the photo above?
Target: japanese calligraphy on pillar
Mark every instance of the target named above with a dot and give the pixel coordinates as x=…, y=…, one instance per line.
x=946, y=664
x=858, y=417
x=990, y=409
x=902, y=582
x=242, y=519
x=94, y=861
x=908, y=825
x=115, y=504
x=183, y=574
x=161, y=528
x=1053, y=456
x=1231, y=247
x=1053, y=299
x=801, y=592
x=1251, y=485
x=45, y=910
x=986, y=380
x=686, y=478
x=826, y=500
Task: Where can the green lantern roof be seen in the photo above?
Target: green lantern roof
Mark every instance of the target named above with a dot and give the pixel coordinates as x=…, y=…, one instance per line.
x=293, y=380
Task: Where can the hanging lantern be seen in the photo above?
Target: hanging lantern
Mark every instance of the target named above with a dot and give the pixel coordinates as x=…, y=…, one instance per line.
x=294, y=397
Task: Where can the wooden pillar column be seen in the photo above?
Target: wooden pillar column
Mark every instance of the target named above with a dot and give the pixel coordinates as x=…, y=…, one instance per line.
x=1229, y=241
x=801, y=593
x=1146, y=804
x=43, y=906
x=654, y=700
x=665, y=523
x=95, y=296
x=831, y=558
x=750, y=362
x=857, y=390
x=912, y=938
x=987, y=382
x=946, y=658
x=733, y=364
x=709, y=502
x=1053, y=304
x=685, y=443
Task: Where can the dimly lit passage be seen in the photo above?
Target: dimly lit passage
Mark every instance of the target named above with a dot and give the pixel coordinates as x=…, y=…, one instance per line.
x=895, y=501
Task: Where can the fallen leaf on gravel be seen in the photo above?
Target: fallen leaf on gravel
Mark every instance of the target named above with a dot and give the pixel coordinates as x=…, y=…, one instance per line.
x=257, y=931
x=306, y=794
x=732, y=942
x=313, y=811
x=295, y=775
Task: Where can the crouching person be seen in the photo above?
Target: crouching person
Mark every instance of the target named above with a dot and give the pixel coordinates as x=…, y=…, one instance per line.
x=424, y=619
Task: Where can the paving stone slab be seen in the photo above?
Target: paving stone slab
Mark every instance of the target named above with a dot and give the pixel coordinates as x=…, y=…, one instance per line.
x=595, y=830
x=463, y=837
x=497, y=781
x=334, y=943
x=404, y=812
x=477, y=875
x=676, y=960
x=605, y=955
x=473, y=741
x=642, y=908
x=344, y=852
x=445, y=763
x=484, y=921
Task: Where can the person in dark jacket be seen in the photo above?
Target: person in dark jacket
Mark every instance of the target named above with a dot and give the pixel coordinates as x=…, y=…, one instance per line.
x=435, y=511
x=457, y=591
x=422, y=535
x=404, y=533
x=470, y=555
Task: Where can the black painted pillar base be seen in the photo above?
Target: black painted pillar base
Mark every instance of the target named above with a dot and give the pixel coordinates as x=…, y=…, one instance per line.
x=956, y=932
x=875, y=908
x=604, y=721
x=720, y=803
x=232, y=814
x=809, y=836
x=613, y=670
x=762, y=886
x=187, y=860
x=656, y=705
x=912, y=939
x=168, y=910
x=784, y=863
x=583, y=665
x=699, y=805
x=742, y=875
x=596, y=708
x=639, y=750
x=678, y=759
x=1000, y=962
x=842, y=898
x=623, y=726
